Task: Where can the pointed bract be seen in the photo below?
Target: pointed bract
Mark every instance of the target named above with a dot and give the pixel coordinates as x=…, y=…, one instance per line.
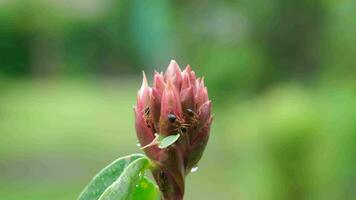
x=143, y=96
x=174, y=74
x=158, y=81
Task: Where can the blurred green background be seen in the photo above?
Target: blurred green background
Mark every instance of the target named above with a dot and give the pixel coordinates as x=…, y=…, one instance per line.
x=281, y=74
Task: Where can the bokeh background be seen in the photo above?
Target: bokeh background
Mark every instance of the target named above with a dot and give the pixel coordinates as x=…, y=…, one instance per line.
x=281, y=74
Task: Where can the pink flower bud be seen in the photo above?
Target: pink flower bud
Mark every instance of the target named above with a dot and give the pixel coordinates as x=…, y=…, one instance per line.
x=178, y=103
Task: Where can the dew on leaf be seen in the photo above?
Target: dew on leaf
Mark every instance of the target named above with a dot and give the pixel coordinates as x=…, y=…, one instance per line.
x=194, y=169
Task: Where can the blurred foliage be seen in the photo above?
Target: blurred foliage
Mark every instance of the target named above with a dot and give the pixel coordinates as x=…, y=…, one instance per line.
x=281, y=74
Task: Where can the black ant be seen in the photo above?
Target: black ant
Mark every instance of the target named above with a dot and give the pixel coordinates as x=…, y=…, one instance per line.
x=190, y=112
x=171, y=118
x=179, y=123
x=163, y=181
x=146, y=110
x=146, y=116
x=192, y=117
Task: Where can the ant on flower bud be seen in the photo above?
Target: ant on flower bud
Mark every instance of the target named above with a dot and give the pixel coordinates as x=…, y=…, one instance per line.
x=172, y=118
x=146, y=116
x=184, y=129
x=192, y=117
x=190, y=112
x=163, y=181
x=180, y=124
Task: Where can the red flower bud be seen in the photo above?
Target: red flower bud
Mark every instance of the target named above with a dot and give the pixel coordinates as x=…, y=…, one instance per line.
x=178, y=103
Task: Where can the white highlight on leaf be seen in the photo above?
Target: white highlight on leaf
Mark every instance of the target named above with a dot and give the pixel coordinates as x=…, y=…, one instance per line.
x=194, y=169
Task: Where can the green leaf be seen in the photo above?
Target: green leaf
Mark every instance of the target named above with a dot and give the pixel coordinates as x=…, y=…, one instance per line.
x=167, y=141
x=146, y=190
x=106, y=177
x=124, y=187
